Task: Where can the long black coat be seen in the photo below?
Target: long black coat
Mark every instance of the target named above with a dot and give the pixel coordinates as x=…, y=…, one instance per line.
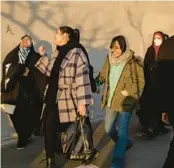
x=149, y=101
x=16, y=70
x=31, y=88
x=165, y=73
x=150, y=67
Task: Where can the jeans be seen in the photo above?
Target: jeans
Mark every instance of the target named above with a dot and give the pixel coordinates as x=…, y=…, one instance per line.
x=116, y=126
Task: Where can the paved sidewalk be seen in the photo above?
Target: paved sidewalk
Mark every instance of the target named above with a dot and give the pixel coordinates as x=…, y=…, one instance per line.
x=144, y=153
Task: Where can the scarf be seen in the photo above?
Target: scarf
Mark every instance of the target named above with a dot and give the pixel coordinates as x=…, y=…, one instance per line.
x=116, y=61
x=51, y=94
x=22, y=54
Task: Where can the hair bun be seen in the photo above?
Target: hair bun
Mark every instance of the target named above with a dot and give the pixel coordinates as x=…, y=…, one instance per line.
x=76, y=35
x=76, y=31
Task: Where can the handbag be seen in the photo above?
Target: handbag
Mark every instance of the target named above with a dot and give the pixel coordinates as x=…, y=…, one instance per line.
x=10, y=97
x=11, y=87
x=77, y=142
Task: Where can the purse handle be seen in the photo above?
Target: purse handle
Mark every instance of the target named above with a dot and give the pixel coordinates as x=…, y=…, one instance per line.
x=80, y=122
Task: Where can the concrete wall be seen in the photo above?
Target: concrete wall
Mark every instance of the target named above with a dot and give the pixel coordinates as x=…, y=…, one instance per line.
x=98, y=23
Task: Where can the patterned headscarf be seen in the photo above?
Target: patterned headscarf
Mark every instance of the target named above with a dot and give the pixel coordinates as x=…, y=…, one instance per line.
x=23, y=52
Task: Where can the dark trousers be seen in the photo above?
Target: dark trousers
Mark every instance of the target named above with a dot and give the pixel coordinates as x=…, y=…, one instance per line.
x=169, y=162
x=22, y=127
x=150, y=112
x=51, y=125
x=24, y=121
x=28, y=110
x=52, y=128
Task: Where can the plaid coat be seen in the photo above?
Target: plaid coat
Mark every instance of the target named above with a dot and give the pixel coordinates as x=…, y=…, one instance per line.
x=74, y=85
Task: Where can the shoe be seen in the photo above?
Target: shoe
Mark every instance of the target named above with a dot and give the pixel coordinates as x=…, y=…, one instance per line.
x=50, y=163
x=161, y=130
x=30, y=138
x=129, y=146
x=20, y=145
x=146, y=133
x=37, y=133
x=23, y=143
x=90, y=157
x=149, y=132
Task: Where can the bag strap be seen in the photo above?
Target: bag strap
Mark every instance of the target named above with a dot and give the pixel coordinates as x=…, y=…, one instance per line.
x=80, y=122
x=82, y=132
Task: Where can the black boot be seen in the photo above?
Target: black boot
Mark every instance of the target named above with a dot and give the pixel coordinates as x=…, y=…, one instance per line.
x=161, y=130
x=50, y=163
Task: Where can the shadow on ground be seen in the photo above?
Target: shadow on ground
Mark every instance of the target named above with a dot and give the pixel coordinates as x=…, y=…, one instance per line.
x=33, y=155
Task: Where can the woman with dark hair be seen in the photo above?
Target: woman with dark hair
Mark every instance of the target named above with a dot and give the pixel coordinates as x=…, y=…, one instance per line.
x=123, y=79
x=21, y=71
x=68, y=70
x=149, y=104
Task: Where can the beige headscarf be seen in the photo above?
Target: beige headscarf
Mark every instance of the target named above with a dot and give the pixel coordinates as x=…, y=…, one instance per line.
x=116, y=61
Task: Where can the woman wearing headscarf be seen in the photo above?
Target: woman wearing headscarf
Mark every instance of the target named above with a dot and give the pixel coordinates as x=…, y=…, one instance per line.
x=68, y=72
x=149, y=104
x=123, y=79
x=21, y=71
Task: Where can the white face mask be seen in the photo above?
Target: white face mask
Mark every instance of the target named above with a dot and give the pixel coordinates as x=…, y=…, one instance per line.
x=157, y=42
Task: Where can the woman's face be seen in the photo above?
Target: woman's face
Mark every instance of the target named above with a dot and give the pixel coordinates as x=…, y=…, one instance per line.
x=157, y=40
x=60, y=38
x=26, y=42
x=116, y=50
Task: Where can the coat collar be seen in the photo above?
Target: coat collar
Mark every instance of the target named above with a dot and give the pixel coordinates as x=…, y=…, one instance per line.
x=68, y=57
x=129, y=59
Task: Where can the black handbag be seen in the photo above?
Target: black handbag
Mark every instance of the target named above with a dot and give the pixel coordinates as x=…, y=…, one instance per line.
x=77, y=142
x=10, y=97
x=10, y=91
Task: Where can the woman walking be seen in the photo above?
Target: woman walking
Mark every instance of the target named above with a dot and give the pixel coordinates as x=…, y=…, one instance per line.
x=149, y=104
x=69, y=89
x=21, y=71
x=123, y=79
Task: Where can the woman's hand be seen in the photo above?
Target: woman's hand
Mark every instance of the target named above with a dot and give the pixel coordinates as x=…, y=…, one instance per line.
x=124, y=93
x=82, y=109
x=42, y=50
x=26, y=72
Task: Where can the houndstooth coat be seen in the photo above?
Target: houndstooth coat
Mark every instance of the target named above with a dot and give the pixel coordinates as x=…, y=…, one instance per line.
x=74, y=85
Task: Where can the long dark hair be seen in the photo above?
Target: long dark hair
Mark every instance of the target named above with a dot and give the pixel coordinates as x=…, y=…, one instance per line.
x=121, y=41
x=74, y=34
